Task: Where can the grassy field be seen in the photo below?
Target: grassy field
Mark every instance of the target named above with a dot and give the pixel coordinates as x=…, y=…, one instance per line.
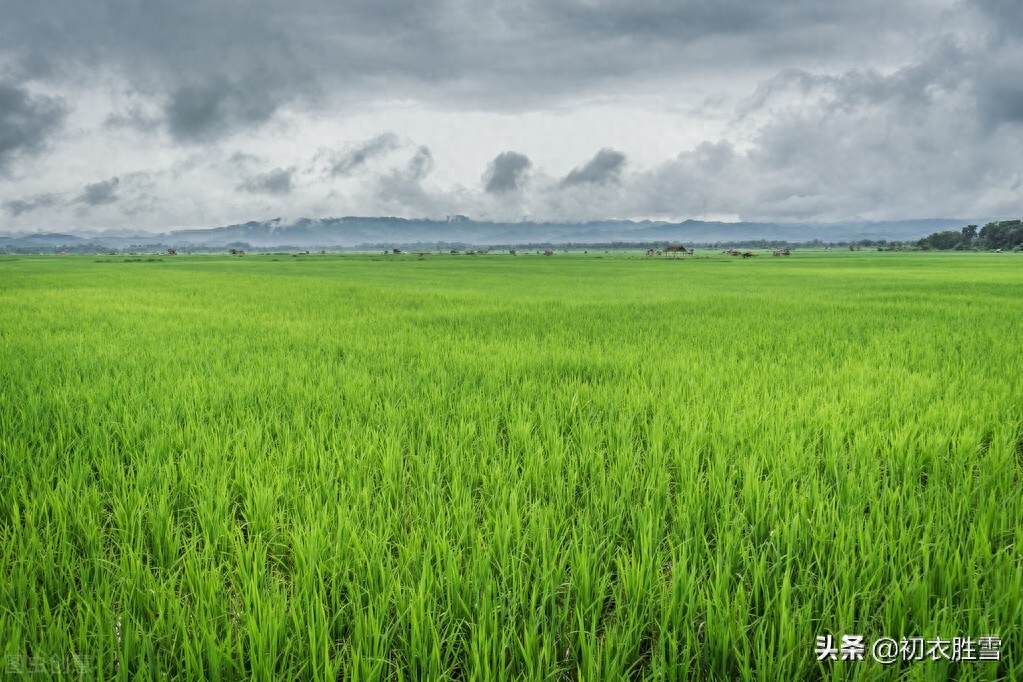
x=485, y=468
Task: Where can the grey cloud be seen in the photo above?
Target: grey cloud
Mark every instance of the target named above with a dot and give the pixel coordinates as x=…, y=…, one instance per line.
x=200, y=113
x=1000, y=96
x=506, y=172
x=403, y=187
x=344, y=163
x=680, y=18
x=495, y=54
x=99, y=193
x=1006, y=104
x=34, y=66
x=276, y=181
x=168, y=37
x=26, y=122
x=420, y=165
x=242, y=159
x=919, y=141
x=1006, y=16
x=604, y=168
x=16, y=207
x=921, y=84
x=135, y=118
x=606, y=40
x=929, y=121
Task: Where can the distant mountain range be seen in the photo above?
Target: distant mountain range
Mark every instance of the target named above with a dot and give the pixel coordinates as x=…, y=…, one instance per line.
x=365, y=232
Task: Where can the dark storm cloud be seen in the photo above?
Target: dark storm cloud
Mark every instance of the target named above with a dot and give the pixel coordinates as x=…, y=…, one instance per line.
x=600, y=41
x=602, y=169
x=205, y=58
x=26, y=121
x=178, y=39
x=16, y=207
x=506, y=172
x=214, y=67
x=277, y=181
x=345, y=162
x=99, y=193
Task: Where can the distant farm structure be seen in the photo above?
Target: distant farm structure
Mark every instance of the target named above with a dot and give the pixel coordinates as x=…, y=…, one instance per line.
x=675, y=250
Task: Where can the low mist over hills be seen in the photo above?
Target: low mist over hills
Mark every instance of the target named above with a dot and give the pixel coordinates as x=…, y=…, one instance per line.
x=366, y=232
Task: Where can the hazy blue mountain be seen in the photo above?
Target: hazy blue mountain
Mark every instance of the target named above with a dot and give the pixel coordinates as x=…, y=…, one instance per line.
x=41, y=239
x=370, y=232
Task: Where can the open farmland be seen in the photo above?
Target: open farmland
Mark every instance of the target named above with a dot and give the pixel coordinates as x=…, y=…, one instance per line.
x=497, y=467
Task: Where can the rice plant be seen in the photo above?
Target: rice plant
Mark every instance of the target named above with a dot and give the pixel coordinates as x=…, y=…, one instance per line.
x=579, y=467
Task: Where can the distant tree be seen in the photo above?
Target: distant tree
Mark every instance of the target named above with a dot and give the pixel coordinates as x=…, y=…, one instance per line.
x=1003, y=234
x=942, y=241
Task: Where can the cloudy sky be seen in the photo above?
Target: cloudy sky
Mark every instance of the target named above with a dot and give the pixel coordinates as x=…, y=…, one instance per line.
x=160, y=114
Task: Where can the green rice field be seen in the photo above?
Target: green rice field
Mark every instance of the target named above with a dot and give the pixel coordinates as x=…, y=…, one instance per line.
x=582, y=467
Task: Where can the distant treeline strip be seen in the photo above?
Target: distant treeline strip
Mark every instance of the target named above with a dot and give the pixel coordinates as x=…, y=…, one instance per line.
x=446, y=247
x=1005, y=235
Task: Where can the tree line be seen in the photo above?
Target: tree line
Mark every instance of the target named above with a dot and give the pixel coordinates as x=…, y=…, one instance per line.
x=1004, y=235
